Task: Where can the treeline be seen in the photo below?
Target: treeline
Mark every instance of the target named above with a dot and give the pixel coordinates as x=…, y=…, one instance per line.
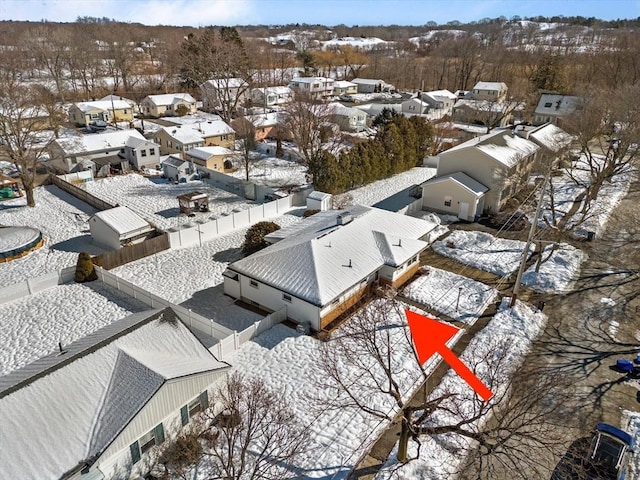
x=400, y=144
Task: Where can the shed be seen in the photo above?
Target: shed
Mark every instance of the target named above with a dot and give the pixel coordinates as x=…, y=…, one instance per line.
x=175, y=168
x=193, y=202
x=319, y=201
x=119, y=226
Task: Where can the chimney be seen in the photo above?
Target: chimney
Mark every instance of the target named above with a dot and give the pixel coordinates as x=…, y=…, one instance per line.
x=344, y=218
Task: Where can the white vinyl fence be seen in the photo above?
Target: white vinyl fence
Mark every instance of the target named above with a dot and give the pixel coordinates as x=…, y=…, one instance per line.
x=36, y=284
x=191, y=234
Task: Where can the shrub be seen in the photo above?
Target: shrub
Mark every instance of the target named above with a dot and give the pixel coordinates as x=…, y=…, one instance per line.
x=85, y=270
x=182, y=110
x=182, y=454
x=254, y=238
x=308, y=213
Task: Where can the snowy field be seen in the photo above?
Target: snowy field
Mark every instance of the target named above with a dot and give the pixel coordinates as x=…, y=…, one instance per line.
x=32, y=326
x=192, y=276
x=273, y=172
x=288, y=363
x=155, y=199
x=440, y=455
x=482, y=250
x=62, y=219
x=453, y=295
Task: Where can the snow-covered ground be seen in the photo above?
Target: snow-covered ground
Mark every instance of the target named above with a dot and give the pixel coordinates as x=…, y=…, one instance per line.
x=62, y=219
x=482, y=250
x=633, y=421
x=558, y=272
x=510, y=332
x=273, y=172
x=453, y=295
x=32, y=326
x=155, y=199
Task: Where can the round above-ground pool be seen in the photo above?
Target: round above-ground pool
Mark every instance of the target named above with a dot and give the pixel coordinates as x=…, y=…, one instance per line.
x=16, y=242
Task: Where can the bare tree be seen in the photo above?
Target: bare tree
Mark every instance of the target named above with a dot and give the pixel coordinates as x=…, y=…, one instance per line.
x=21, y=138
x=255, y=435
x=246, y=133
x=607, y=131
x=49, y=46
x=366, y=369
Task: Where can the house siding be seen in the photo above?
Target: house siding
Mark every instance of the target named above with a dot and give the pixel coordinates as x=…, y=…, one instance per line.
x=164, y=406
x=433, y=197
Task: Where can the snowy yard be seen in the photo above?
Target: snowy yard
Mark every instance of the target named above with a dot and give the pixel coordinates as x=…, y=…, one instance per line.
x=155, y=199
x=32, y=326
x=482, y=250
x=62, y=219
x=375, y=192
x=193, y=276
x=453, y=295
x=273, y=172
x=558, y=272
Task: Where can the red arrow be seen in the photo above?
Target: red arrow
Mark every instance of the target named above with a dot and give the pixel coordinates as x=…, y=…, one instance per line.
x=431, y=336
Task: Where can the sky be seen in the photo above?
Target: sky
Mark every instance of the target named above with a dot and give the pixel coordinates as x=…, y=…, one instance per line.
x=199, y=13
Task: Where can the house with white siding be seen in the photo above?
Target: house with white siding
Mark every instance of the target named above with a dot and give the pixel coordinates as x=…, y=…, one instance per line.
x=269, y=96
x=107, y=400
x=87, y=113
x=322, y=266
x=316, y=88
x=141, y=153
x=168, y=104
x=495, y=166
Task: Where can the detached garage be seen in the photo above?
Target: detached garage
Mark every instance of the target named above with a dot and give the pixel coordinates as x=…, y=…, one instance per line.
x=119, y=226
x=456, y=194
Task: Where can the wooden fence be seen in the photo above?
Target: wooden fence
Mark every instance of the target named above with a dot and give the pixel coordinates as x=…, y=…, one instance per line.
x=80, y=193
x=132, y=253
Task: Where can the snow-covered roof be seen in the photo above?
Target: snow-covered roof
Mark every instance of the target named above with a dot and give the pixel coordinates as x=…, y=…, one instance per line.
x=367, y=81
x=103, y=105
x=557, y=105
x=204, y=153
x=134, y=142
x=171, y=98
x=117, y=97
x=184, y=134
x=223, y=83
x=316, y=195
x=551, y=137
x=417, y=100
x=279, y=90
x=461, y=179
x=264, y=119
x=343, y=84
x=88, y=395
x=122, y=220
x=336, y=108
x=212, y=128
x=320, y=259
x=174, y=161
x=501, y=145
x=312, y=80
x=490, y=86
x=96, y=142
x=441, y=93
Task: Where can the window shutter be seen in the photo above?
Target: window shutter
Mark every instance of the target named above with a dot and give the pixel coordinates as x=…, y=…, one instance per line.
x=158, y=432
x=204, y=400
x=184, y=415
x=135, y=452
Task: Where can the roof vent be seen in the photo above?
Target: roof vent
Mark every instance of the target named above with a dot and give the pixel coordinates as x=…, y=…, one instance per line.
x=345, y=218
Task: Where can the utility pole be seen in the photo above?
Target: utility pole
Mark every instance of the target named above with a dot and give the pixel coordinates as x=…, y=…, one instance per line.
x=532, y=232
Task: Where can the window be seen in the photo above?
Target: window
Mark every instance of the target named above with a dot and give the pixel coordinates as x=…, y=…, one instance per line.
x=547, y=105
x=148, y=440
x=286, y=298
x=169, y=143
x=94, y=116
x=447, y=201
x=179, y=147
x=152, y=151
x=143, y=153
x=253, y=283
x=224, y=137
x=195, y=406
x=125, y=111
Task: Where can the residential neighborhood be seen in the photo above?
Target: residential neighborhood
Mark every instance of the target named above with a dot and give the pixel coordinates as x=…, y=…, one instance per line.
x=308, y=251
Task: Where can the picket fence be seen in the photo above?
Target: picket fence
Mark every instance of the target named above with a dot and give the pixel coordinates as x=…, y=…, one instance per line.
x=194, y=234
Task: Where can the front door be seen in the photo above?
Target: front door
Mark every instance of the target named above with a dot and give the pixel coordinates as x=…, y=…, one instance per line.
x=463, y=214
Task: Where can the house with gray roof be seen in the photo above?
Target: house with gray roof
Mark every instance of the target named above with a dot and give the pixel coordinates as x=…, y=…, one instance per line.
x=553, y=108
x=499, y=163
x=141, y=153
x=107, y=400
x=323, y=265
x=177, y=139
